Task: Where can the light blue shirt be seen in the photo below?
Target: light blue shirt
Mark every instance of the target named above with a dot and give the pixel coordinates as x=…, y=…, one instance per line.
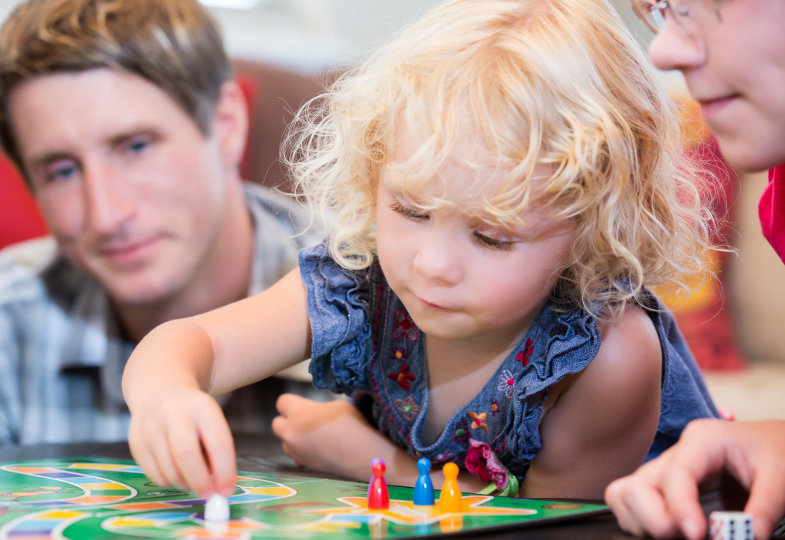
x=61, y=350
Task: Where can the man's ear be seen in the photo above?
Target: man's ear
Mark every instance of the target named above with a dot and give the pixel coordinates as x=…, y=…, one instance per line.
x=230, y=123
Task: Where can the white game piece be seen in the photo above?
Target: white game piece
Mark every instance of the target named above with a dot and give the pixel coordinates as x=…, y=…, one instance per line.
x=216, y=509
x=730, y=526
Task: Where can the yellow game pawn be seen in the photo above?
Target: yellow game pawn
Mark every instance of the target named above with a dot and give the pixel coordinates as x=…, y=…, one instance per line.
x=450, y=499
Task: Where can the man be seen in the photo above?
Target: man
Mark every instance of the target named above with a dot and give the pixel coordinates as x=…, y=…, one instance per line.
x=124, y=121
x=732, y=56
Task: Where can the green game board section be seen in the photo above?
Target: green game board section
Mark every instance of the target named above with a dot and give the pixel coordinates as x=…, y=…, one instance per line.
x=110, y=499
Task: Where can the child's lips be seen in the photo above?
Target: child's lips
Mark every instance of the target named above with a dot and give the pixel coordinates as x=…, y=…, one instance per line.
x=435, y=305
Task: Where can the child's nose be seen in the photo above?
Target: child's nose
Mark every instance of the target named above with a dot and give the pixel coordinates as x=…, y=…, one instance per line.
x=438, y=258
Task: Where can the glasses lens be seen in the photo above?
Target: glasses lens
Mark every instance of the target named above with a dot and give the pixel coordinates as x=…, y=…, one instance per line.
x=651, y=12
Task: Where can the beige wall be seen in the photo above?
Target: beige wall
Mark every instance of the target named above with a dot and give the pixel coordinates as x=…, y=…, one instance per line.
x=757, y=280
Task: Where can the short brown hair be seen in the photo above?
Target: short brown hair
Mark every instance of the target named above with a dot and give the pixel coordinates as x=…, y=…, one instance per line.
x=174, y=44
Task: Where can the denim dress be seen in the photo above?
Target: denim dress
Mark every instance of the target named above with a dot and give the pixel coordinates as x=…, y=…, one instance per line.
x=364, y=340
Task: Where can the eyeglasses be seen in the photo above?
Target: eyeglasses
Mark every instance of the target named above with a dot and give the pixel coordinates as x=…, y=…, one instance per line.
x=689, y=14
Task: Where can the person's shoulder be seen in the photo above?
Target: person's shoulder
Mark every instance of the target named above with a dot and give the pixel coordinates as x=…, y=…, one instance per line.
x=25, y=269
x=630, y=353
x=272, y=208
x=26, y=261
x=272, y=202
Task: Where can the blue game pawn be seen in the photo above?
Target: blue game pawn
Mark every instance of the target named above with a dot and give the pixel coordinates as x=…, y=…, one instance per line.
x=423, y=488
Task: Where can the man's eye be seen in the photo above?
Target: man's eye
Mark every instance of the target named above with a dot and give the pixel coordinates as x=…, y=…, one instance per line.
x=137, y=144
x=60, y=171
x=407, y=212
x=493, y=243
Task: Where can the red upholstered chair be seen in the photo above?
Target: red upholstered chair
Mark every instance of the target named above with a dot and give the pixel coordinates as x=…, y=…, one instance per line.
x=274, y=94
x=19, y=215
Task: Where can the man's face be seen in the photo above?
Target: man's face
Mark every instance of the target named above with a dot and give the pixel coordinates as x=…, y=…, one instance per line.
x=131, y=189
x=734, y=66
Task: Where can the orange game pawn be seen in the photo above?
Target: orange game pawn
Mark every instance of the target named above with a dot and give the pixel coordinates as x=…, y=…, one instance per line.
x=378, y=496
x=450, y=499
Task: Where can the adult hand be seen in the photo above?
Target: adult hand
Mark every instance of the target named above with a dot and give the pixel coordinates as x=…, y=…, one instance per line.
x=661, y=498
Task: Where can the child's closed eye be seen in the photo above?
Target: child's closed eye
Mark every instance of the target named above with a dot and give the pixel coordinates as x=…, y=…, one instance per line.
x=407, y=211
x=491, y=242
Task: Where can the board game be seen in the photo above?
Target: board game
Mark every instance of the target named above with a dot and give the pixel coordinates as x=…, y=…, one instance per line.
x=107, y=499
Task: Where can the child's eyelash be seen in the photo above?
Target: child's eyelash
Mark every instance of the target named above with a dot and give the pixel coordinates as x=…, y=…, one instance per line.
x=480, y=238
x=406, y=211
x=487, y=241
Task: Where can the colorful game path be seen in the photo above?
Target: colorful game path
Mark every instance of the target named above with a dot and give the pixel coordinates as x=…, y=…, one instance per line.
x=110, y=499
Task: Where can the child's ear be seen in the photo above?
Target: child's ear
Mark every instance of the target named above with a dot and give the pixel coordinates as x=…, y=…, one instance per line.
x=230, y=123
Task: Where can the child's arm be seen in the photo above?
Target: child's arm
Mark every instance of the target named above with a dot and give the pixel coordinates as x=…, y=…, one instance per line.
x=602, y=425
x=334, y=438
x=178, y=433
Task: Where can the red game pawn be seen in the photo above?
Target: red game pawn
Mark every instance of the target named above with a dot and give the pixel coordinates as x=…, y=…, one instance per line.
x=378, y=497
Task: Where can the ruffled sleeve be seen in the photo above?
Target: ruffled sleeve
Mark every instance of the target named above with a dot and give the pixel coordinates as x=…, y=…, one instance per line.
x=571, y=341
x=338, y=307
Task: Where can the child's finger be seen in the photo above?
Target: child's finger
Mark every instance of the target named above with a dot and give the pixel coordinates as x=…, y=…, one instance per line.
x=286, y=403
x=166, y=466
x=144, y=458
x=279, y=426
x=218, y=446
x=188, y=461
x=144, y=446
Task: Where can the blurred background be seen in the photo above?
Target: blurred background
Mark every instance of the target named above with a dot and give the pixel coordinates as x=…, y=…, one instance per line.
x=310, y=35
x=733, y=324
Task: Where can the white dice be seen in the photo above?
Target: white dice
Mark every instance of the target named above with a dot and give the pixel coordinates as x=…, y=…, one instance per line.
x=730, y=526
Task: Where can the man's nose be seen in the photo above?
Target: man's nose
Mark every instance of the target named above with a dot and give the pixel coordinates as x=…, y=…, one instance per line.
x=108, y=202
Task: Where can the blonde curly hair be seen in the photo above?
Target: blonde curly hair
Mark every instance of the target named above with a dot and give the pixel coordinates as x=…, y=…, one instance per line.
x=559, y=96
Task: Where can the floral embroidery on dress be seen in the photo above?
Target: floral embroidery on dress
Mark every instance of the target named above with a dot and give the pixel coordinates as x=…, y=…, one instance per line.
x=404, y=326
x=399, y=355
x=408, y=407
x=523, y=356
x=403, y=376
x=483, y=463
x=494, y=406
x=478, y=420
x=506, y=383
x=461, y=433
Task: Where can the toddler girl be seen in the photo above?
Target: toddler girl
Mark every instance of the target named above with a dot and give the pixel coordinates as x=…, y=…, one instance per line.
x=502, y=190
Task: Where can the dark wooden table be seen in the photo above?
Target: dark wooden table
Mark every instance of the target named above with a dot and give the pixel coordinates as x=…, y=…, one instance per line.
x=262, y=453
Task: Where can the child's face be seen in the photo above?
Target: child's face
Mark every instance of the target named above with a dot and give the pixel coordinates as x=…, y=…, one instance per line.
x=460, y=278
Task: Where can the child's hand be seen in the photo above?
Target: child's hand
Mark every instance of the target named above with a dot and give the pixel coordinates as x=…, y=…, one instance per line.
x=317, y=435
x=333, y=437
x=184, y=440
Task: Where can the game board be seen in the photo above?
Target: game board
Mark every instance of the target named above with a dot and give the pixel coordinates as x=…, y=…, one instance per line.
x=108, y=499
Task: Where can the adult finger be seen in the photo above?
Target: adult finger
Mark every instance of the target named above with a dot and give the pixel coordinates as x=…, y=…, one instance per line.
x=642, y=507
